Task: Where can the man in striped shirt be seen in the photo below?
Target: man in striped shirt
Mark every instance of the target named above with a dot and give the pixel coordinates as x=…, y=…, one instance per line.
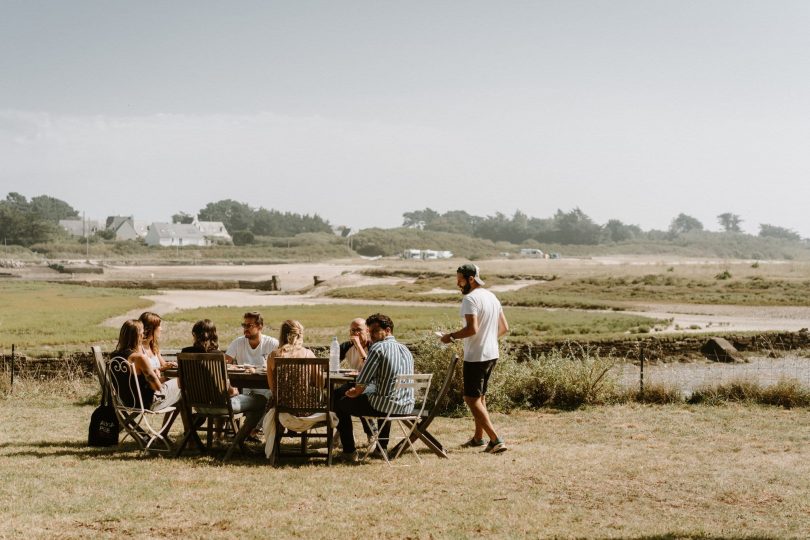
x=373, y=393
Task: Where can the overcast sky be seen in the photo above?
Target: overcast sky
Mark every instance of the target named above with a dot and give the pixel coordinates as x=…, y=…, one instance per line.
x=360, y=111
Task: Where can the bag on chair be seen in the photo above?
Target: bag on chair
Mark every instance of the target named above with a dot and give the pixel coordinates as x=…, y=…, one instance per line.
x=104, y=426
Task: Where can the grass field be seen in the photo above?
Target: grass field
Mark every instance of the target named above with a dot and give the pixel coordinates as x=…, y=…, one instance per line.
x=590, y=287
x=626, y=471
x=36, y=315
x=40, y=317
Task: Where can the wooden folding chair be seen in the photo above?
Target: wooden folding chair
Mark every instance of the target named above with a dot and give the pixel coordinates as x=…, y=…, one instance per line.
x=204, y=386
x=419, y=384
x=122, y=383
x=303, y=388
x=421, y=430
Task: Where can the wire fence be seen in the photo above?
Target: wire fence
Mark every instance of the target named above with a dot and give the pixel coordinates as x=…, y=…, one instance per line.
x=764, y=370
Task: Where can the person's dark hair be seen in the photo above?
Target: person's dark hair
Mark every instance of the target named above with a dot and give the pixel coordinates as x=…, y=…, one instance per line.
x=205, y=335
x=256, y=316
x=383, y=321
x=129, y=336
x=150, y=322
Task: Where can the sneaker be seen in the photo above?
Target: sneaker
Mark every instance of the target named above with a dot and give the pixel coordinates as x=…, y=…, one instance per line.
x=346, y=457
x=474, y=443
x=495, y=447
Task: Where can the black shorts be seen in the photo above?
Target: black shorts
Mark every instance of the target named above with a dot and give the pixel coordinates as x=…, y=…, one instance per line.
x=476, y=377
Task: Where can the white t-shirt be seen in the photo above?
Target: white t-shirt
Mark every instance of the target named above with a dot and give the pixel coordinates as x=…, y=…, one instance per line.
x=485, y=306
x=241, y=350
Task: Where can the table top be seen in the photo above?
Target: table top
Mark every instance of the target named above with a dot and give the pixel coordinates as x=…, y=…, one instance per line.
x=239, y=378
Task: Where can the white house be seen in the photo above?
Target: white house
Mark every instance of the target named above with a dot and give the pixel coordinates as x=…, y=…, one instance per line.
x=531, y=252
x=174, y=234
x=213, y=230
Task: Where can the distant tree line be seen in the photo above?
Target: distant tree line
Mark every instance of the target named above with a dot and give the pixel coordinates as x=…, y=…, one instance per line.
x=245, y=222
x=572, y=228
x=24, y=222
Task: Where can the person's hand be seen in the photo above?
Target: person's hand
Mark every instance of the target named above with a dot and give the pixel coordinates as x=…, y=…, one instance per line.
x=446, y=338
x=353, y=392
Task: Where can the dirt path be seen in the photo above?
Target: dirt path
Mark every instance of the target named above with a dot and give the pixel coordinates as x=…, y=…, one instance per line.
x=700, y=318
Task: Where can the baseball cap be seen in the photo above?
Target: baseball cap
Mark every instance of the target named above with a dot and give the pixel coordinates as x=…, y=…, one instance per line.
x=470, y=270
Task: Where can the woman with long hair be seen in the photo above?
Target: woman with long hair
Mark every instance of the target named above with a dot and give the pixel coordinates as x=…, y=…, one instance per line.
x=205, y=337
x=151, y=341
x=156, y=395
x=290, y=345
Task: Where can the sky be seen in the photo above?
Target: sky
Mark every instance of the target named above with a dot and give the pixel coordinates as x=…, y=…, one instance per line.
x=360, y=111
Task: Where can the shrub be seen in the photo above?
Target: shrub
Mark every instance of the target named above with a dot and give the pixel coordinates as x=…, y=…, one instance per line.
x=659, y=394
x=786, y=393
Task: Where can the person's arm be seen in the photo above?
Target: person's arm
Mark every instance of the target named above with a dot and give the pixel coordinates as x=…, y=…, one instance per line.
x=357, y=344
x=142, y=365
x=365, y=379
x=469, y=330
x=503, y=325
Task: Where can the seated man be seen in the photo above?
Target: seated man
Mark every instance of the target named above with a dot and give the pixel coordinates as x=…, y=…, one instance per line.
x=252, y=349
x=373, y=393
x=355, y=350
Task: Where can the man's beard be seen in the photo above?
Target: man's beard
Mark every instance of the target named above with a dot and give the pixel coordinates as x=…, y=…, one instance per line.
x=466, y=288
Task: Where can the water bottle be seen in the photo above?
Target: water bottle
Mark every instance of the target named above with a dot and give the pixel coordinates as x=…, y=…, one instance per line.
x=334, y=356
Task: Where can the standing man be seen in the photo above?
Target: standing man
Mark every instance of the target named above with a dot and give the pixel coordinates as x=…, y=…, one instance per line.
x=252, y=349
x=374, y=393
x=484, y=324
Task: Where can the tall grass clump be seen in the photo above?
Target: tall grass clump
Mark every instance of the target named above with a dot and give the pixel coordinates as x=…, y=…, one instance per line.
x=656, y=394
x=562, y=378
x=787, y=393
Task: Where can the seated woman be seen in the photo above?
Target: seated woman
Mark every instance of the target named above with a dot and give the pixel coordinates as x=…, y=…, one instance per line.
x=205, y=337
x=155, y=394
x=150, y=344
x=291, y=345
x=252, y=405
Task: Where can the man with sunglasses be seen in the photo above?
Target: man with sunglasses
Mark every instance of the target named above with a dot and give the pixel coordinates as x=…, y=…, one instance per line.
x=252, y=349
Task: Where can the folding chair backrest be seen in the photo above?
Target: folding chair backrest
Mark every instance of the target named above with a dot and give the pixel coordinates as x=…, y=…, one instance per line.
x=101, y=370
x=203, y=380
x=122, y=383
x=419, y=384
x=303, y=385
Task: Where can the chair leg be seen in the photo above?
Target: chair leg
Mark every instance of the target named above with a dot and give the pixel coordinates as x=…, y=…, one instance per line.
x=330, y=432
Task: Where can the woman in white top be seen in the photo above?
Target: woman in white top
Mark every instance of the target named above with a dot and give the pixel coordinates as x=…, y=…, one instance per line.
x=150, y=344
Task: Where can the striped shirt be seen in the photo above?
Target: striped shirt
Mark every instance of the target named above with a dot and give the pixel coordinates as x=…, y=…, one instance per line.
x=387, y=359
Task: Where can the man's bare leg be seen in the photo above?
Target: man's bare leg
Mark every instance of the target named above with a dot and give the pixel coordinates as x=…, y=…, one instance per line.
x=478, y=408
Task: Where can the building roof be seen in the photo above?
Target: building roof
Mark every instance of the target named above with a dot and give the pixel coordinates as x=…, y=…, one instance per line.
x=176, y=230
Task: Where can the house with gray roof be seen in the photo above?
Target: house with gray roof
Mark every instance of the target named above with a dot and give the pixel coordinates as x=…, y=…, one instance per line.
x=174, y=234
x=78, y=227
x=213, y=230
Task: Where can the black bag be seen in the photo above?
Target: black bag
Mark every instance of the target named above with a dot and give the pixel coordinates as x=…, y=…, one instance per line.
x=104, y=426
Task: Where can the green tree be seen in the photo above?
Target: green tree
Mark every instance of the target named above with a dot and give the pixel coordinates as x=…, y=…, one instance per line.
x=52, y=209
x=730, y=222
x=184, y=218
x=419, y=218
x=20, y=225
x=616, y=231
x=683, y=224
x=773, y=231
x=236, y=216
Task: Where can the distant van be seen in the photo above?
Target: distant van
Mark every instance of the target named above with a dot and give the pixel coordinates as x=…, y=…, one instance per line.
x=531, y=252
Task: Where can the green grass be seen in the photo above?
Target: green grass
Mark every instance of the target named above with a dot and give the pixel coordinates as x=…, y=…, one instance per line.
x=411, y=322
x=626, y=471
x=62, y=317
x=608, y=292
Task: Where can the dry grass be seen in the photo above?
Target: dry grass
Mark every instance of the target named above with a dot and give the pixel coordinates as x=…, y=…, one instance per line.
x=616, y=471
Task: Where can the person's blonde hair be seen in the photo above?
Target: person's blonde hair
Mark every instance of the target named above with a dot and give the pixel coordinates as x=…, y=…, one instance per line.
x=291, y=338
